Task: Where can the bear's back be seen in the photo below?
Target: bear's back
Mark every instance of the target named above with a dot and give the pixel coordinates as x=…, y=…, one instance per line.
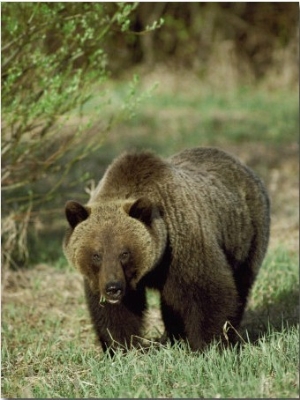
x=222, y=182
x=199, y=175
x=216, y=175
x=131, y=175
x=212, y=163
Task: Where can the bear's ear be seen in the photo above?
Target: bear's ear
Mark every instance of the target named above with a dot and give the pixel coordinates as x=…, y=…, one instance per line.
x=142, y=209
x=76, y=213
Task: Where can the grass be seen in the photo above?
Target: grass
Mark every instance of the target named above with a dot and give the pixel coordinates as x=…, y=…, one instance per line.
x=193, y=115
x=48, y=347
x=48, y=344
x=253, y=372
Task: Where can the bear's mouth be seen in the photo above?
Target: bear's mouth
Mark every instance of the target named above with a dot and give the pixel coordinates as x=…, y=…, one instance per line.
x=104, y=300
x=113, y=301
x=114, y=292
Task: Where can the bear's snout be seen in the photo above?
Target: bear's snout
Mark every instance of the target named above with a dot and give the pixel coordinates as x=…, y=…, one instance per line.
x=114, y=292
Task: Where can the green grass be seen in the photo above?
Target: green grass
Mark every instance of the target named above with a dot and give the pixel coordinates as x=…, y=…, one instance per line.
x=265, y=370
x=48, y=347
x=196, y=115
x=167, y=123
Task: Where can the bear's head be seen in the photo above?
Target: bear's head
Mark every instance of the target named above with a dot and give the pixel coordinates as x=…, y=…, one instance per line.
x=114, y=244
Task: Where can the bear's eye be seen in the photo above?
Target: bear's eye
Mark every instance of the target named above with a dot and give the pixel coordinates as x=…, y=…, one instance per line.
x=124, y=257
x=96, y=258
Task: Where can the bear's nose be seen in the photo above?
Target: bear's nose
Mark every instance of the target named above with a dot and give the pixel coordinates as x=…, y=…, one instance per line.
x=113, y=291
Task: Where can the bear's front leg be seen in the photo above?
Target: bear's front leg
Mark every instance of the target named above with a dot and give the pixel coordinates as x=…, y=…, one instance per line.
x=117, y=325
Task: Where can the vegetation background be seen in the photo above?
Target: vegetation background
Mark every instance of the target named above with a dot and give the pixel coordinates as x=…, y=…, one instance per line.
x=82, y=82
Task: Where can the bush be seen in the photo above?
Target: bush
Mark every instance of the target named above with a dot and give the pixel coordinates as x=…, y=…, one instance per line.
x=52, y=55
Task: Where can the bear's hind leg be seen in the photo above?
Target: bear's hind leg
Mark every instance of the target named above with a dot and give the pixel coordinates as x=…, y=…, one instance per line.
x=197, y=312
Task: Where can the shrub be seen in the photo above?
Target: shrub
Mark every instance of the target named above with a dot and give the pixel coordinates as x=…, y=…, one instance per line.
x=52, y=55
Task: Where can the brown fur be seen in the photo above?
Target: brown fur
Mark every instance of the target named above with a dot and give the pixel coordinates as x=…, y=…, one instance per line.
x=195, y=227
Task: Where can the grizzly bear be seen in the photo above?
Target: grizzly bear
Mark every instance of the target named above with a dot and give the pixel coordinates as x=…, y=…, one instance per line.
x=194, y=226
